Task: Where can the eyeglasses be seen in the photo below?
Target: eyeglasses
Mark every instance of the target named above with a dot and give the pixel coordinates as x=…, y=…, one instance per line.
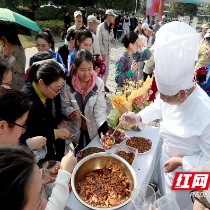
x=22, y=126
x=56, y=91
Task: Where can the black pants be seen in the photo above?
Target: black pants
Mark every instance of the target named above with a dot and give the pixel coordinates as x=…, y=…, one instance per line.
x=146, y=75
x=115, y=33
x=84, y=140
x=59, y=146
x=119, y=34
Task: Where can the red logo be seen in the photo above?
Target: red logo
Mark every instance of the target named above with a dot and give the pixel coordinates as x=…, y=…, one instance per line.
x=191, y=181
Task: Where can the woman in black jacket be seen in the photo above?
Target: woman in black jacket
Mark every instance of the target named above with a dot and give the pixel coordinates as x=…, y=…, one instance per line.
x=65, y=49
x=46, y=82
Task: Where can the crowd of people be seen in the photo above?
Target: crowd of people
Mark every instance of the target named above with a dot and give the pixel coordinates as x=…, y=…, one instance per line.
x=36, y=103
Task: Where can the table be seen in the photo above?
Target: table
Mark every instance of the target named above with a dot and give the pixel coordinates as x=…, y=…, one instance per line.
x=144, y=164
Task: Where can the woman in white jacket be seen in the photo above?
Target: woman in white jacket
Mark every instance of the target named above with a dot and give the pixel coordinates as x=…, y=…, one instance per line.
x=84, y=94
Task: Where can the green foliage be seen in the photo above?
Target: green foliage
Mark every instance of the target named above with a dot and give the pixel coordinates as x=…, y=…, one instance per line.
x=10, y=4
x=144, y=5
x=125, y=5
x=208, y=10
x=71, y=9
x=25, y=12
x=91, y=10
x=56, y=26
x=47, y=13
x=184, y=8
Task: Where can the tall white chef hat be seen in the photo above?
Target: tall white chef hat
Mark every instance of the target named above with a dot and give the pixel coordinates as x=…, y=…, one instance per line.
x=176, y=50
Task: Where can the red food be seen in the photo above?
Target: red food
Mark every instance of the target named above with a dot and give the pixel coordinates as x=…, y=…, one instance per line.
x=54, y=172
x=105, y=187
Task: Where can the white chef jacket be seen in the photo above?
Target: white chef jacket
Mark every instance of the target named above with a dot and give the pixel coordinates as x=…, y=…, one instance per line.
x=185, y=130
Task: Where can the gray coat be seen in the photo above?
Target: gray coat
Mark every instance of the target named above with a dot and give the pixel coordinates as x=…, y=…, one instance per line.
x=105, y=38
x=94, y=107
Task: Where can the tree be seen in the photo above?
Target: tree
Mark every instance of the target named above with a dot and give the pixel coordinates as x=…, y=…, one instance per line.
x=208, y=10
x=144, y=5
x=184, y=8
x=126, y=5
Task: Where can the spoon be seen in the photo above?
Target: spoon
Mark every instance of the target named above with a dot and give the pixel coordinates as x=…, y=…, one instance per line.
x=117, y=127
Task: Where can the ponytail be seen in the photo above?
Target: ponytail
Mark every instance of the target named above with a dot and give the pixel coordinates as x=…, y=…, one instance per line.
x=81, y=35
x=47, y=35
x=50, y=71
x=131, y=38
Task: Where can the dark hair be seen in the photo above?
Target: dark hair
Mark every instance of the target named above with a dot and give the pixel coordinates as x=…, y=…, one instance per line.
x=81, y=35
x=13, y=104
x=81, y=55
x=71, y=34
x=207, y=39
x=133, y=13
x=148, y=16
x=10, y=32
x=4, y=69
x=144, y=13
x=16, y=170
x=40, y=56
x=131, y=38
x=50, y=71
x=47, y=36
x=142, y=33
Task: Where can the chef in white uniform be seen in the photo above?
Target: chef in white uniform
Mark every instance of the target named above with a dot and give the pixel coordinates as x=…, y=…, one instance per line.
x=182, y=105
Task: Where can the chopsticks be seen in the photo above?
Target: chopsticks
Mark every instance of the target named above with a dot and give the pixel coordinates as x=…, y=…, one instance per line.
x=86, y=118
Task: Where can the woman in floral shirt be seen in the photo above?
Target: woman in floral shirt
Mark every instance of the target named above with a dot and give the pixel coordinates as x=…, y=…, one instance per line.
x=124, y=69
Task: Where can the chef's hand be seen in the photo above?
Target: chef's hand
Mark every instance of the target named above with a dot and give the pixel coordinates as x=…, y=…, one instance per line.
x=131, y=118
x=172, y=164
x=75, y=115
x=97, y=70
x=62, y=133
x=38, y=142
x=134, y=66
x=68, y=162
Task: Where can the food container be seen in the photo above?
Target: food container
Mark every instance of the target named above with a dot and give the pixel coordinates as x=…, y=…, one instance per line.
x=40, y=153
x=51, y=166
x=73, y=131
x=90, y=150
x=113, y=118
x=150, y=141
x=99, y=161
x=127, y=149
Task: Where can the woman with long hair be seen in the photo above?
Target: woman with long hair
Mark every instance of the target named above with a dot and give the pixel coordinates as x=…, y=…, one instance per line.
x=45, y=42
x=84, y=94
x=65, y=49
x=21, y=181
x=83, y=40
x=12, y=51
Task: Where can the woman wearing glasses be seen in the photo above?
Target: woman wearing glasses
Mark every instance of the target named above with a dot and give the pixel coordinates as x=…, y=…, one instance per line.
x=45, y=114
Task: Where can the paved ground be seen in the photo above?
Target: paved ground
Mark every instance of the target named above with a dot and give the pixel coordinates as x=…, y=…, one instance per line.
x=115, y=53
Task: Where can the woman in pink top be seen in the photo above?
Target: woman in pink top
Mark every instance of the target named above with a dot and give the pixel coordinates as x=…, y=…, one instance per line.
x=84, y=93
